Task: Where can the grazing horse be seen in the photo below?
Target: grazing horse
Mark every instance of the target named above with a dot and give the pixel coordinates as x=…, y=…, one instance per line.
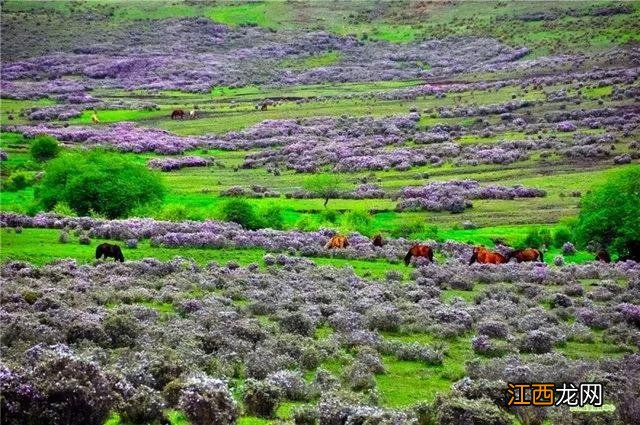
x=419, y=250
x=528, y=254
x=177, y=113
x=192, y=114
x=483, y=255
x=108, y=250
x=603, y=256
x=377, y=241
x=94, y=118
x=337, y=242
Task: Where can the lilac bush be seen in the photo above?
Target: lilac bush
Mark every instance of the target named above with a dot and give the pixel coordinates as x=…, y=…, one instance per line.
x=170, y=164
x=537, y=342
x=144, y=405
x=568, y=248
x=261, y=398
x=453, y=195
x=100, y=309
x=206, y=400
x=631, y=313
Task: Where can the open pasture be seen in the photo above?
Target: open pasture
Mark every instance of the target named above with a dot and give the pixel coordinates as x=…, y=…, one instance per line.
x=451, y=124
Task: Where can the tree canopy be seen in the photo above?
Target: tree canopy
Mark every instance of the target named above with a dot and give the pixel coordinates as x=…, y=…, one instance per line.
x=326, y=186
x=609, y=215
x=98, y=182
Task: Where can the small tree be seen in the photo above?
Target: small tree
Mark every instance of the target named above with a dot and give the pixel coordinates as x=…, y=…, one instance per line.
x=98, y=182
x=325, y=186
x=44, y=148
x=609, y=215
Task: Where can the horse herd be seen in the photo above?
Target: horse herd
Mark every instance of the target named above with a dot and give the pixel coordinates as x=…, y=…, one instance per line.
x=480, y=253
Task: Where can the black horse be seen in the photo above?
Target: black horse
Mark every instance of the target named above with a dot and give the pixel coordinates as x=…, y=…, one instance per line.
x=108, y=250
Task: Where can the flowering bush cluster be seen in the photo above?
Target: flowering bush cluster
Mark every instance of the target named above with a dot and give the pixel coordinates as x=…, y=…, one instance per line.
x=168, y=54
x=94, y=311
x=123, y=136
x=254, y=191
x=453, y=195
x=170, y=164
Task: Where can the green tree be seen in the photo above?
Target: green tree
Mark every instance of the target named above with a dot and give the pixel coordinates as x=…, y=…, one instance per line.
x=326, y=186
x=609, y=215
x=98, y=182
x=44, y=148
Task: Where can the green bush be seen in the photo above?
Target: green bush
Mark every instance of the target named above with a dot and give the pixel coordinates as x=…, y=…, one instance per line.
x=44, y=148
x=271, y=217
x=561, y=236
x=174, y=212
x=17, y=182
x=536, y=238
x=98, y=183
x=307, y=223
x=609, y=215
x=406, y=230
x=358, y=220
x=63, y=208
x=241, y=212
x=330, y=216
x=430, y=232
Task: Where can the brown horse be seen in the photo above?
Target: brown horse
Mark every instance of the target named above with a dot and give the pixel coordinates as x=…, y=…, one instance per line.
x=483, y=255
x=603, y=256
x=337, y=242
x=527, y=254
x=177, y=113
x=377, y=241
x=108, y=250
x=419, y=250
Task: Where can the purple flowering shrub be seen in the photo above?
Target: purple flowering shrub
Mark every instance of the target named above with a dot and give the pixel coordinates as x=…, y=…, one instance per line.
x=144, y=404
x=453, y=195
x=107, y=308
x=261, y=398
x=206, y=400
x=568, y=249
x=58, y=387
x=170, y=164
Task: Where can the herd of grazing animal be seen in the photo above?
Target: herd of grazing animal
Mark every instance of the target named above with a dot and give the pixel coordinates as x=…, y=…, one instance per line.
x=480, y=253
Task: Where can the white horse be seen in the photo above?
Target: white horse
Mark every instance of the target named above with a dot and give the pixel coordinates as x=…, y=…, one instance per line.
x=192, y=114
